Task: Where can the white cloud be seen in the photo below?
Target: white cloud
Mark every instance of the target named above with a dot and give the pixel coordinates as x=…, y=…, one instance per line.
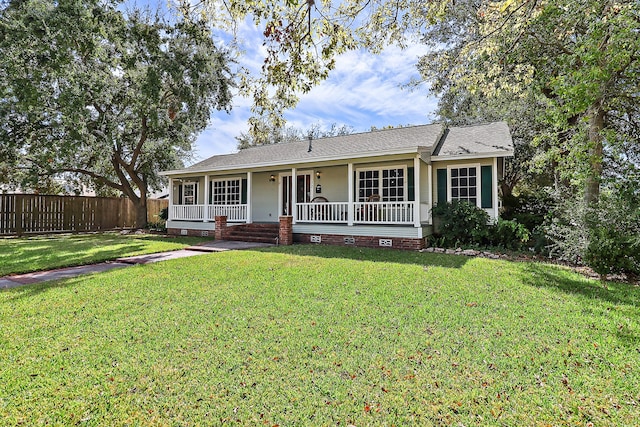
x=363, y=90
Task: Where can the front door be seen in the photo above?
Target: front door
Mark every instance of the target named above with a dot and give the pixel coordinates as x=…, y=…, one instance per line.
x=303, y=192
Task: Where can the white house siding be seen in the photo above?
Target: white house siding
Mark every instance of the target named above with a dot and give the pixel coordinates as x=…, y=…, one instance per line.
x=333, y=180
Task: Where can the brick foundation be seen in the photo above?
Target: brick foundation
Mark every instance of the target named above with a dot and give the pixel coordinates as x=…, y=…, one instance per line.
x=287, y=237
x=190, y=232
x=363, y=241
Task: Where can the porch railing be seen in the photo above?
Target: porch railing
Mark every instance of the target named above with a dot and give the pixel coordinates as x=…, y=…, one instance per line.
x=234, y=213
x=364, y=212
x=322, y=212
x=187, y=212
x=330, y=212
x=384, y=212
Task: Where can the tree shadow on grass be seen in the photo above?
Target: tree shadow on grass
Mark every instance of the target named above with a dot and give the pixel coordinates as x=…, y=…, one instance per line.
x=53, y=257
x=48, y=252
x=555, y=277
x=373, y=255
x=35, y=289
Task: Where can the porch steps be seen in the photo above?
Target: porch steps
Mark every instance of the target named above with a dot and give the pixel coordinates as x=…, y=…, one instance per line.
x=255, y=232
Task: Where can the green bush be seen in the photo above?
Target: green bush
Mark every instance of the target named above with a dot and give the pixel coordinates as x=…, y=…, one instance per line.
x=529, y=209
x=614, y=234
x=164, y=214
x=461, y=223
x=566, y=230
x=509, y=234
x=605, y=237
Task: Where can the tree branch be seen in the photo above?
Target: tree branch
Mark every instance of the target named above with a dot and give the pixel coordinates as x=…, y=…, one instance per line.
x=143, y=138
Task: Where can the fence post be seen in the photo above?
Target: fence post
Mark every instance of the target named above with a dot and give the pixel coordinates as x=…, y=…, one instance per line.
x=18, y=213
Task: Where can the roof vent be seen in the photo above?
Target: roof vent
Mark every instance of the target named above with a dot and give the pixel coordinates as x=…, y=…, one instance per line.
x=310, y=139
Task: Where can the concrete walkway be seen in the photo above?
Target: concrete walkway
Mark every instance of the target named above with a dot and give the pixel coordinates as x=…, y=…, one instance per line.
x=15, y=280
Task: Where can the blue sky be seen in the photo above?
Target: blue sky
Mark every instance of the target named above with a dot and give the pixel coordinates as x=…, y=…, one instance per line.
x=364, y=90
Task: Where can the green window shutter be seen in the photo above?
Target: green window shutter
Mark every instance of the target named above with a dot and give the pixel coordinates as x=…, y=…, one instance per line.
x=243, y=191
x=442, y=185
x=180, y=194
x=210, y=193
x=411, y=184
x=486, y=177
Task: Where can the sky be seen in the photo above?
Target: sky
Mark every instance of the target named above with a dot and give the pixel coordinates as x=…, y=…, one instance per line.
x=363, y=90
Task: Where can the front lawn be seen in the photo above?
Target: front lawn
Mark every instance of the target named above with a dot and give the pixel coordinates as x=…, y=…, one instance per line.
x=312, y=335
x=22, y=255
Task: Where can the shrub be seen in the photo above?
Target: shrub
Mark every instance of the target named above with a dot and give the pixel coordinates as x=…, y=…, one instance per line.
x=614, y=234
x=461, y=223
x=606, y=236
x=529, y=209
x=164, y=214
x=509, y=234
x=567, y=232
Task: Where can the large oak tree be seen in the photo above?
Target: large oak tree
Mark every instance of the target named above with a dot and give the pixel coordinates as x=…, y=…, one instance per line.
x=89, y=91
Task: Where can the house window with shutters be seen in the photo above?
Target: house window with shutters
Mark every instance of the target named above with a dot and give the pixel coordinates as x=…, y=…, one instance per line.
x=471, y=183
x=464, y=184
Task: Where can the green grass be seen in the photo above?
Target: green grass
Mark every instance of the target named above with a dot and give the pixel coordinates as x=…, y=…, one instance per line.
x=22, y=255
x=310, y=335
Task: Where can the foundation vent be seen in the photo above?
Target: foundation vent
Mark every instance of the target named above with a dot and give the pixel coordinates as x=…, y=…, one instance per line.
x=315, y=239
x=184, y=232
x=385, y=242
x=349, y=241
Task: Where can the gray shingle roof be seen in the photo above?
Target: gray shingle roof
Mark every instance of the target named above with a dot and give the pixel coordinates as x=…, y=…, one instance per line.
x=475, y=139
x=493, y=137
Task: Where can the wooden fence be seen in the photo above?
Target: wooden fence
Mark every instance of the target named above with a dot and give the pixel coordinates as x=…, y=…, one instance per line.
x=34, y=214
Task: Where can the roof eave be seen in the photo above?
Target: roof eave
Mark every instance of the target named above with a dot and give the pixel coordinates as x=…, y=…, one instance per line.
x=372, y=154
x=470, y=156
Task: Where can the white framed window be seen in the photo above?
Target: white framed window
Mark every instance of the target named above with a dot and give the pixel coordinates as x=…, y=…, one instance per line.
x=189, y=193
x=464, y=183
x=390, y=183
x=226, y=191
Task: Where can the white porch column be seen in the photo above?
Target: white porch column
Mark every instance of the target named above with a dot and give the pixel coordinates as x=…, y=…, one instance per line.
x=494, y=183
x=294, y=194
x=350, y=192
x=416, y=191
x=170, y=215
x=430, y=192
x=249, y=194
x=205, y=214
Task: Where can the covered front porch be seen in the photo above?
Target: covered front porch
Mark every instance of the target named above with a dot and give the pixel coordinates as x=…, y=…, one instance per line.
x=387, y=192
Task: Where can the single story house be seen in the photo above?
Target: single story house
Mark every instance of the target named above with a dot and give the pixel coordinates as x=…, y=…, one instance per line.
x=369, y=189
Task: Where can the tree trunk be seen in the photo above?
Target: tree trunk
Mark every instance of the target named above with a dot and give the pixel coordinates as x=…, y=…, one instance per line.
x=596, y=126
x=141, y=211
